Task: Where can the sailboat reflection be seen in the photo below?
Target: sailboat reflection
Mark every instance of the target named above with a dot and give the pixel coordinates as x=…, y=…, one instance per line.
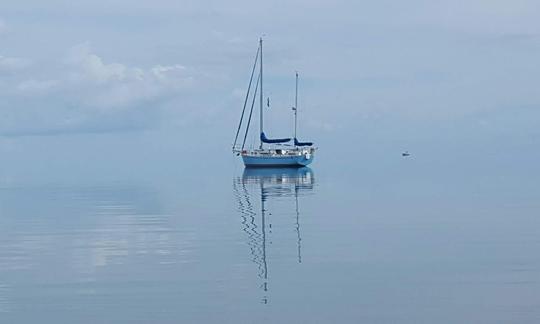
x=274, y=184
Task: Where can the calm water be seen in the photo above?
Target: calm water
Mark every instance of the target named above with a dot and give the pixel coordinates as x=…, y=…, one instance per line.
x=401, y=241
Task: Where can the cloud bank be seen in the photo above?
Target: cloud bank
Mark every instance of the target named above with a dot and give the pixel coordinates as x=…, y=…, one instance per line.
x=116, y=85
x=87, y=93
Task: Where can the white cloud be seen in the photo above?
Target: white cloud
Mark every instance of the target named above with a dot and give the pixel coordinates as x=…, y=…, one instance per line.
x=86, y=92
x=92, y=68
x=8, y=64
x=172, y=74
x=117, y=85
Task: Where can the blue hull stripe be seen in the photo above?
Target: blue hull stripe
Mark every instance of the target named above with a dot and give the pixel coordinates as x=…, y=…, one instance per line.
x=277, y=161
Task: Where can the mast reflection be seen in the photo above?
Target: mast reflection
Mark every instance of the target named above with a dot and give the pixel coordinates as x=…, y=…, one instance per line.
x=268, y=185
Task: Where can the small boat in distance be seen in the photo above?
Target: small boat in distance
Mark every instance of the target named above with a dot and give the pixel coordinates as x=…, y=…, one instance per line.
x=405, y=154
x=280, y=153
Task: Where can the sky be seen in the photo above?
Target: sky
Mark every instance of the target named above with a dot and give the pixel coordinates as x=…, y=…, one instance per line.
x=148, y=94
x=415, y=74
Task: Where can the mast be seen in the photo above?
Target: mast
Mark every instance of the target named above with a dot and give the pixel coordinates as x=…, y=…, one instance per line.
x=263, y=224
x=261, y=93
x=295, y=108
x=297, y=222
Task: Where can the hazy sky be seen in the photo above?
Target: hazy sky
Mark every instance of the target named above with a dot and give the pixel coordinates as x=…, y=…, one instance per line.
x=405, y=69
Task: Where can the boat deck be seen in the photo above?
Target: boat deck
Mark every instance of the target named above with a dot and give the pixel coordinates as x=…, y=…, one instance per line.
x=274, y=152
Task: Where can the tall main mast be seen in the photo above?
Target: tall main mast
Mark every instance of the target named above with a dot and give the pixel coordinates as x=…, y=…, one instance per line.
x=261, y=94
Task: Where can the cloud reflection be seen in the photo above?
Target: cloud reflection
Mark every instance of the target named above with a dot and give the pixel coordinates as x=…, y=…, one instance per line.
x=88, y=230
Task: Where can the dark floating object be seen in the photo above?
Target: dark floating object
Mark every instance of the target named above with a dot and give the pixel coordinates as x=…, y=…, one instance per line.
x=406, y=153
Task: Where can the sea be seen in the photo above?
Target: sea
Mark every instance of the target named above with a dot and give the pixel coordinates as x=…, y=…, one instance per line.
x=123, y=228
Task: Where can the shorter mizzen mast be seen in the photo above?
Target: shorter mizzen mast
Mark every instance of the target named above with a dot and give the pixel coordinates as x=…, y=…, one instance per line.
x=295, y=108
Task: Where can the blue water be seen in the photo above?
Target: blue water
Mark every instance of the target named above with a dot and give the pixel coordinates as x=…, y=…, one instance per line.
x=158, y=238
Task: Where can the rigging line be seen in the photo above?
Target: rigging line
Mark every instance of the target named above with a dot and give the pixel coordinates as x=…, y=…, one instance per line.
x=256, y=248
x=246, y=210
x=251, y=111
x=247, y=96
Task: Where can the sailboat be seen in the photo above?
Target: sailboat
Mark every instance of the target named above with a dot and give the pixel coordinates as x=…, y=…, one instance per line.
x=272, y=152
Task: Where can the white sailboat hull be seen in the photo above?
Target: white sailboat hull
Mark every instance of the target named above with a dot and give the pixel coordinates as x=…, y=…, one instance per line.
x=278, y=158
